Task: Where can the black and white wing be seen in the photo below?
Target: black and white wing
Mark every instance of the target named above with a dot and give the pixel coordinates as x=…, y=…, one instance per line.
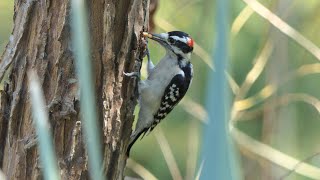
x=174, y=92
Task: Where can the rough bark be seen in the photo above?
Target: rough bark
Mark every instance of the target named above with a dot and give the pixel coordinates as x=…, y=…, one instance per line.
x=41, y=41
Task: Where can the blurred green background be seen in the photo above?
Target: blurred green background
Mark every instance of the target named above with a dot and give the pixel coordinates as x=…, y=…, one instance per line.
x=6, y=19
x=287, y=119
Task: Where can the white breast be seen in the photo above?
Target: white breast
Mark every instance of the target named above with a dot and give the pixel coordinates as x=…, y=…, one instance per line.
x=156, y=83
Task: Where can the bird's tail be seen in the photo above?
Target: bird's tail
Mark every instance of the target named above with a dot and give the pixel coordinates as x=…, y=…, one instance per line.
x=133, y=139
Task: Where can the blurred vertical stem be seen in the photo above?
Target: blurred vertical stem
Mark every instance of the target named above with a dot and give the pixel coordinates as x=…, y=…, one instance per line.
x=81, y=44
x=218, y=153
x=40, y=116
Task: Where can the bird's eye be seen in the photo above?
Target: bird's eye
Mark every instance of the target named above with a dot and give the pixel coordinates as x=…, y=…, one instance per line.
x=171, y=40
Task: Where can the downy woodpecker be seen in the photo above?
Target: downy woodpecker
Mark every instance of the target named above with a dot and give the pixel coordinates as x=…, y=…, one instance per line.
x=167, y=82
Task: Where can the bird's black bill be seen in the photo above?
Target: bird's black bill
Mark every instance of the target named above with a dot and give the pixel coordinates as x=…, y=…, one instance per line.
x=158, y=38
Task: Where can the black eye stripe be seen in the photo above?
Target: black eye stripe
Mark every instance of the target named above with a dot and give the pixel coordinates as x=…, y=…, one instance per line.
x=171, y=40
x=180, y=44
x=183, y=47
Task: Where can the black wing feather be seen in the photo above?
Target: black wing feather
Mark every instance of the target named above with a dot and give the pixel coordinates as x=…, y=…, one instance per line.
x=172, y=95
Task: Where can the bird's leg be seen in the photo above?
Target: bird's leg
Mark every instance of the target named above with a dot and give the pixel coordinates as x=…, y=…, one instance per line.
x=150, y=66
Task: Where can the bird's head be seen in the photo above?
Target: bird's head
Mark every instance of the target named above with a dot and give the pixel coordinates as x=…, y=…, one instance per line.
x=177, y=42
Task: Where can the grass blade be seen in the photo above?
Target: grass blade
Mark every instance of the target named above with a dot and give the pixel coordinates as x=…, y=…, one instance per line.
x=199, y=171
x=168, y=155
x=275, y=156
x=81, y=43
x=140, y=170
x=218, y=152
x=240, y=20
x=41, y=122
x=284, y=27
x=193, y=145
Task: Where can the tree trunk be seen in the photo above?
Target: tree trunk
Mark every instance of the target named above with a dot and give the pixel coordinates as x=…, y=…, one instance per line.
x=274, y=120
x=41, y=41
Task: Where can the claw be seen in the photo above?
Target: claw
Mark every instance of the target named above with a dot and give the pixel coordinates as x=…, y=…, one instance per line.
x=132, y=74
x=138, y=76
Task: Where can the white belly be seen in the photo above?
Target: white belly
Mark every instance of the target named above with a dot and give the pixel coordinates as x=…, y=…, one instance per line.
x=153, y=88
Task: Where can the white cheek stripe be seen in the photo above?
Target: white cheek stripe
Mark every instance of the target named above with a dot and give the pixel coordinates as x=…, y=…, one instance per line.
x=180, y=39
x=177, y=50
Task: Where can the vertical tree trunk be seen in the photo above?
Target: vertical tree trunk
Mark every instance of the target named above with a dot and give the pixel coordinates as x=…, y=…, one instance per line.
x=41, y=41
x=274, y=119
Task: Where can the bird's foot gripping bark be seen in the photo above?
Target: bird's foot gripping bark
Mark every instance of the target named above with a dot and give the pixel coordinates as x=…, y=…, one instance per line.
x=133, y=75
x=138, y=76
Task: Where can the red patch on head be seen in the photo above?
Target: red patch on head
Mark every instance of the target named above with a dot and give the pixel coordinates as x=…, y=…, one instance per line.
x=190, y=42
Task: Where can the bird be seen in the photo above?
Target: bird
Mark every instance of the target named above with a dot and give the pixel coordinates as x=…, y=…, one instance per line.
x=166, y=84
